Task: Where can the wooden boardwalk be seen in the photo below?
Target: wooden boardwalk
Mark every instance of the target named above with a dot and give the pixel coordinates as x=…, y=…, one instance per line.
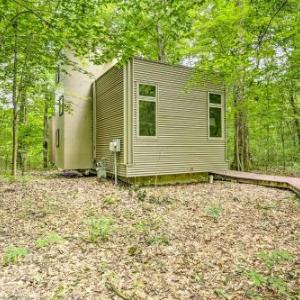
x=291, y=183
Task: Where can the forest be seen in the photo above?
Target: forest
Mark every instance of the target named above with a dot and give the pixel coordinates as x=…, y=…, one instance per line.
x=68, y=236
x=252, y=44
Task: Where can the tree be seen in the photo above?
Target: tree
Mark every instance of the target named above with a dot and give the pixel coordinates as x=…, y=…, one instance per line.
x=32, y=37
x=238, y=40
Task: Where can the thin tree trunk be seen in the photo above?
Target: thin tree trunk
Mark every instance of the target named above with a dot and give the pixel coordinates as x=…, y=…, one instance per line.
x=236, y=160
x=45, y=133
x=296, y=116
x=268, y=134
x=15, y=106
x=161, y=45
x=241, y=160
x=22, y=120
x=283, y=145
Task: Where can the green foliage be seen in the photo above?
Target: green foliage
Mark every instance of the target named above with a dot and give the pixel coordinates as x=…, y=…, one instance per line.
x=147, y=225
x=33, y=37
x=198, y=278
x=220, y=293
x=59, y=293
x=256, y=278
x=270, y=259
x=111, y=200
x=10, y=179
x=14, y=254
x=248, y=56
x=274, y=279
x=158, y=240
x=134, y=250
x=100, y=228
x=213, y=212
x=272, y=282
x=277, y=284
x=50, y=239
x=160, y=199
x=266, y=206
x=141, y=194
x=252, y=46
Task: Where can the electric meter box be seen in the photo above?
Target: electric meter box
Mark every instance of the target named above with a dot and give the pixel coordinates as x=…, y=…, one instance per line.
x=115, y=145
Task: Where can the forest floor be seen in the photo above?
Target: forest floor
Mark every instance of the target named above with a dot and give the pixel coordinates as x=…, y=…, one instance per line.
x=77, y=238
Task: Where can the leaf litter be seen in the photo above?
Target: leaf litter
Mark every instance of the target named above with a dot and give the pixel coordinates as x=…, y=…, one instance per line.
x=197, y=241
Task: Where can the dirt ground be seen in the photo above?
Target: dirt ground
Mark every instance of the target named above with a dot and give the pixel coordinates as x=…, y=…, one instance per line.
x=77, y=238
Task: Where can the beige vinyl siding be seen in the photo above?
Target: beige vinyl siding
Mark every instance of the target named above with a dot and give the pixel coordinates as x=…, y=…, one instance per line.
x=109, y=89
x=182, y=144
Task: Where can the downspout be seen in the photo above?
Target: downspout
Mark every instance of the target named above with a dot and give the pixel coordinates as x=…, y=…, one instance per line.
x=94, y=122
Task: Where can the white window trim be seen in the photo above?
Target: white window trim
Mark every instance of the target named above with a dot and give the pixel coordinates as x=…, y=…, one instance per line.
x=149, y=99
x=209, y=105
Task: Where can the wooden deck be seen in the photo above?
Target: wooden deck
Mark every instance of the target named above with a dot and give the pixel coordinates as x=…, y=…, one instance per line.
x=291, y=183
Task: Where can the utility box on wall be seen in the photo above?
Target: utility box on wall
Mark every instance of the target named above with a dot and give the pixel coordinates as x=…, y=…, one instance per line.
x=115, y=145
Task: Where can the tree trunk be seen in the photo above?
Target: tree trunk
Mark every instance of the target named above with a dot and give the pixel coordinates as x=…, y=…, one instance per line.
x=161, y=45
x=283, y=145
x=241, y=161
x=268, y=134
x=295, y=116
x=15, y=106
x=45, y=133
x=22, y=150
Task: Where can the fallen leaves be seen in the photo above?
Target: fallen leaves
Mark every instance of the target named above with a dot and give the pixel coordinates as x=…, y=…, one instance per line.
x=192, y=241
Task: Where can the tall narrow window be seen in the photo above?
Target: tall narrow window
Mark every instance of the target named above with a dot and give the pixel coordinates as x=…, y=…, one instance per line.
x=61, y=105
x=57, y=137
x=215, y=115
x=147, y=105
x=58, y=78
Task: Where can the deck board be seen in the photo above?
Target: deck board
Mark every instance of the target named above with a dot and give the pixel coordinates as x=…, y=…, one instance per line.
x=291, y=183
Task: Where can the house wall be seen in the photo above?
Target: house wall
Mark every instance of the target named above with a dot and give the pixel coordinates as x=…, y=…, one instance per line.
x=109, y=101
x=76, y=147
x=182, y=144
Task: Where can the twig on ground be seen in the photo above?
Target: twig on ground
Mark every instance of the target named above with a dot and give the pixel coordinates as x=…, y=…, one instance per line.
x=116, y=291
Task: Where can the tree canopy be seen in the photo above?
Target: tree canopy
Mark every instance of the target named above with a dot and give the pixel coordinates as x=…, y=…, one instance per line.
x=252, y=45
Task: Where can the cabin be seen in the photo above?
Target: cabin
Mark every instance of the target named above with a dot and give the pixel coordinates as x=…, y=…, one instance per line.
x=143, y=122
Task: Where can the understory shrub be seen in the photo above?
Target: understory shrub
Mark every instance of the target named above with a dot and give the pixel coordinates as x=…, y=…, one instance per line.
x=14, y=254
x=99, y=228
x=50, y=239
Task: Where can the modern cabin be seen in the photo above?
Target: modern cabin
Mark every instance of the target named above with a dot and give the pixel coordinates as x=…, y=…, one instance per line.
x=164, y=127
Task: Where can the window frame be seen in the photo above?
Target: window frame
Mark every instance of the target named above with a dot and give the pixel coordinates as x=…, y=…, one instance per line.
x=221, y=106
x=149, y=99
x=61, y=104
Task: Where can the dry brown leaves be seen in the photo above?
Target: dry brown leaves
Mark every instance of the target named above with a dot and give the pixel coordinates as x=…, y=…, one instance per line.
x=165, y=247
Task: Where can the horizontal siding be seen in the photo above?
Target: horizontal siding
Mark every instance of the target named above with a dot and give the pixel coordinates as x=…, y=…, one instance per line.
x=182, y=144
x=109, y=117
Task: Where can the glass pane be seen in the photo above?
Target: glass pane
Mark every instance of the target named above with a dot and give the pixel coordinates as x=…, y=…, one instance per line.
x=215, y=98
x=147, y=90
x=61, y=105
x=57, y=138
x=215, y=122
x=147, y=115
